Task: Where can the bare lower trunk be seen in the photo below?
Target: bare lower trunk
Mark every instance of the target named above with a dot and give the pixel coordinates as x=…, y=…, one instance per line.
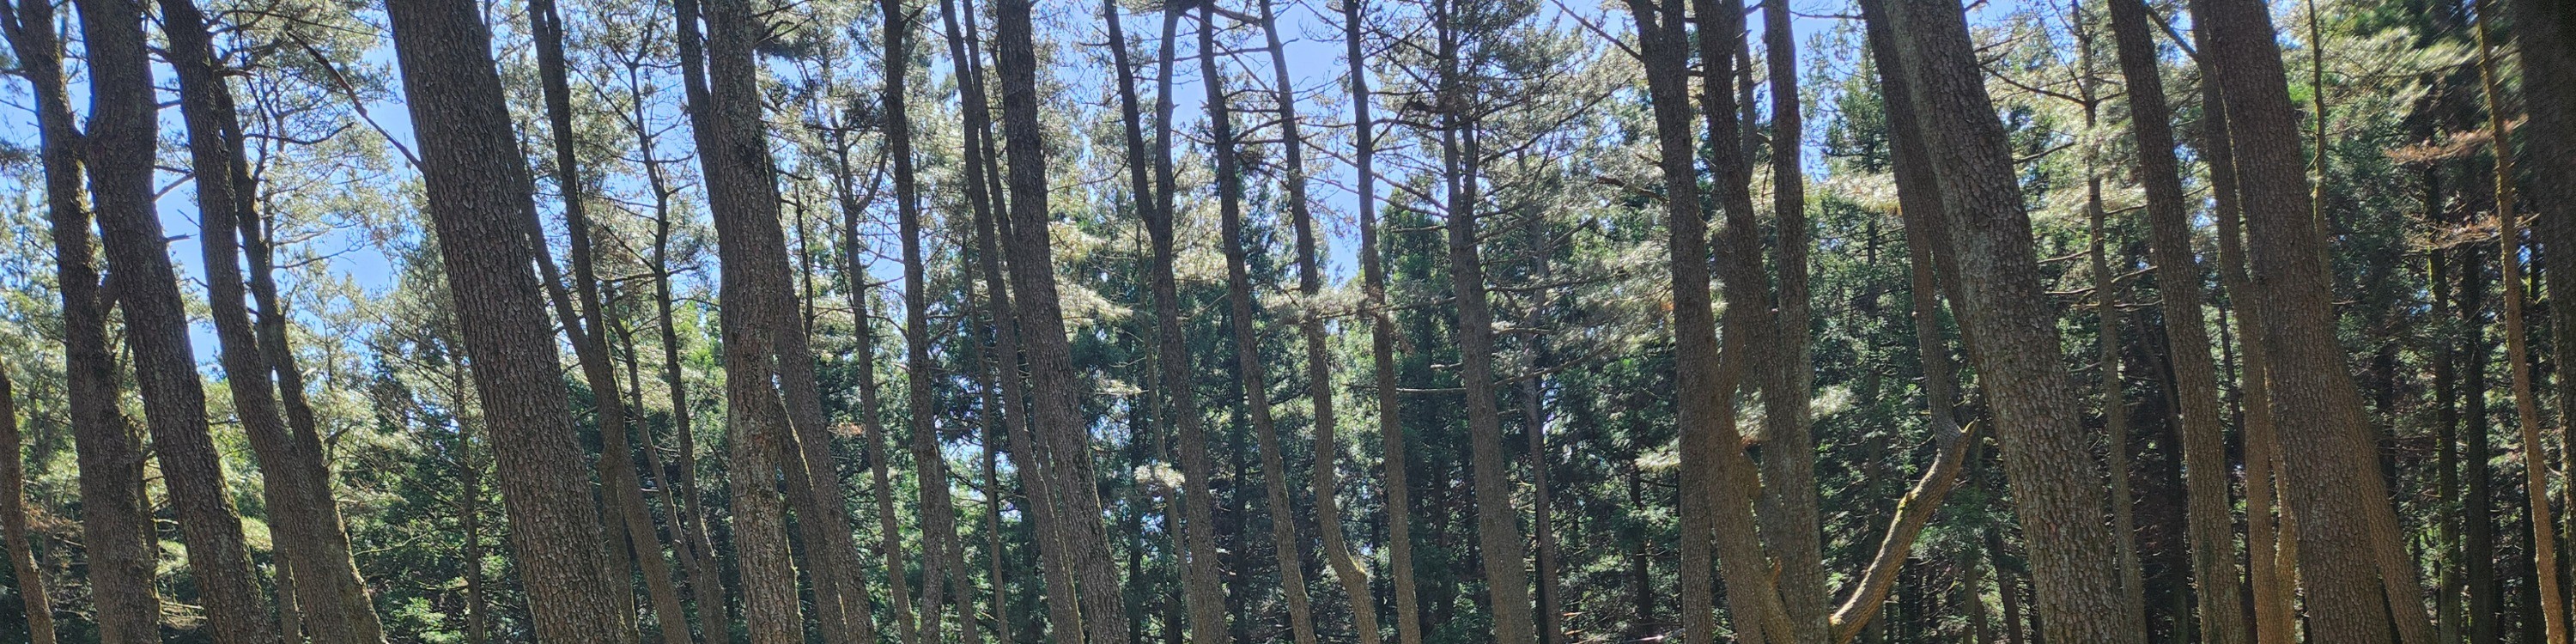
x=1717, y=479
x=480, y=197
x=2002, y=309
x=1202, y=578
x=2526, y=401
x=1398, y=491
x=2351, y=562
x=1789, y=503
x=1250, y=371
x=13, y=523
x=116, y=537
x=2178, y=283
x=122, y=131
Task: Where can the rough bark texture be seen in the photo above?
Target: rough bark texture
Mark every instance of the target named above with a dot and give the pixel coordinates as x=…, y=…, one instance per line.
x=773, y=409
x=1242, y=312
x=2212, y=537
x=479, y=196
x=621, y=488
x=114, y=532
x=1717, y=478
x=123, y=128
x=1052, y=381
x=319, y=583
x=2346, y=527
x=1202, y=578
x=13, y=523
x=2012, y=340
x=1789, y=503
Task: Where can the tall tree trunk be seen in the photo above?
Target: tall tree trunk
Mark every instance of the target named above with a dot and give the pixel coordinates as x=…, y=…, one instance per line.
x=1319, y=372
x=2350, y=553
x=1395, y=485
x=116, y=536
x=2115, y=406
x=690, y=516
x=944, y=569
x=2526, y=401
x=13, y=522
x=2542, y=31
x=2004, y=312
x=318, y=583
x=123, y=129
x=2212, y=538
x=774, y=407
x=984, y=197
x=908, y=625
x=1498, y=534
x=2272, y=570
x=469, y=512
x=1789, y=503
x=622, y=489
x=480, y=197
x=1919, y=207
x=1048, y=354
x=1202, y=577
x=1717, y=493
x=1241, y=319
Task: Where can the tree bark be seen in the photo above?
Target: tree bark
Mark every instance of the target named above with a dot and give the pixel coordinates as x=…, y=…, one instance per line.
x=1202, y=576
x=2272, y=572
x=480, y=195
x=1052, y=381
x=1789, y=499
x=1395, y=485
x=622, y=489
x=117, y=539
x=1242, y=316
x=319, y=583
x=123, y=130
x=689, y=514
x=2526, y=401
x=2350, y=553
x=2178, y=284
x=2006, y=316
x=13, y=523
x=1717, y=493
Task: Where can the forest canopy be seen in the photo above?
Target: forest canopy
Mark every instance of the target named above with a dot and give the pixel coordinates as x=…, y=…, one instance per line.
x=1319, y=321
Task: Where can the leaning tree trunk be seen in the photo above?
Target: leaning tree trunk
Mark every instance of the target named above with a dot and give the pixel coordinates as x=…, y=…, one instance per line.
x=621, y=490
x=480, y=197
x=318, y=583
x=1919, y=208
x=2212, y=539
x=2350, y=551
x=2526, y=401
x=117, y=537
x=122, y=133
x=1202, y=577
x=13, y=523
x=1052, y=383
x=1395, y=486
x=2003, y=308
x=1242, y=313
